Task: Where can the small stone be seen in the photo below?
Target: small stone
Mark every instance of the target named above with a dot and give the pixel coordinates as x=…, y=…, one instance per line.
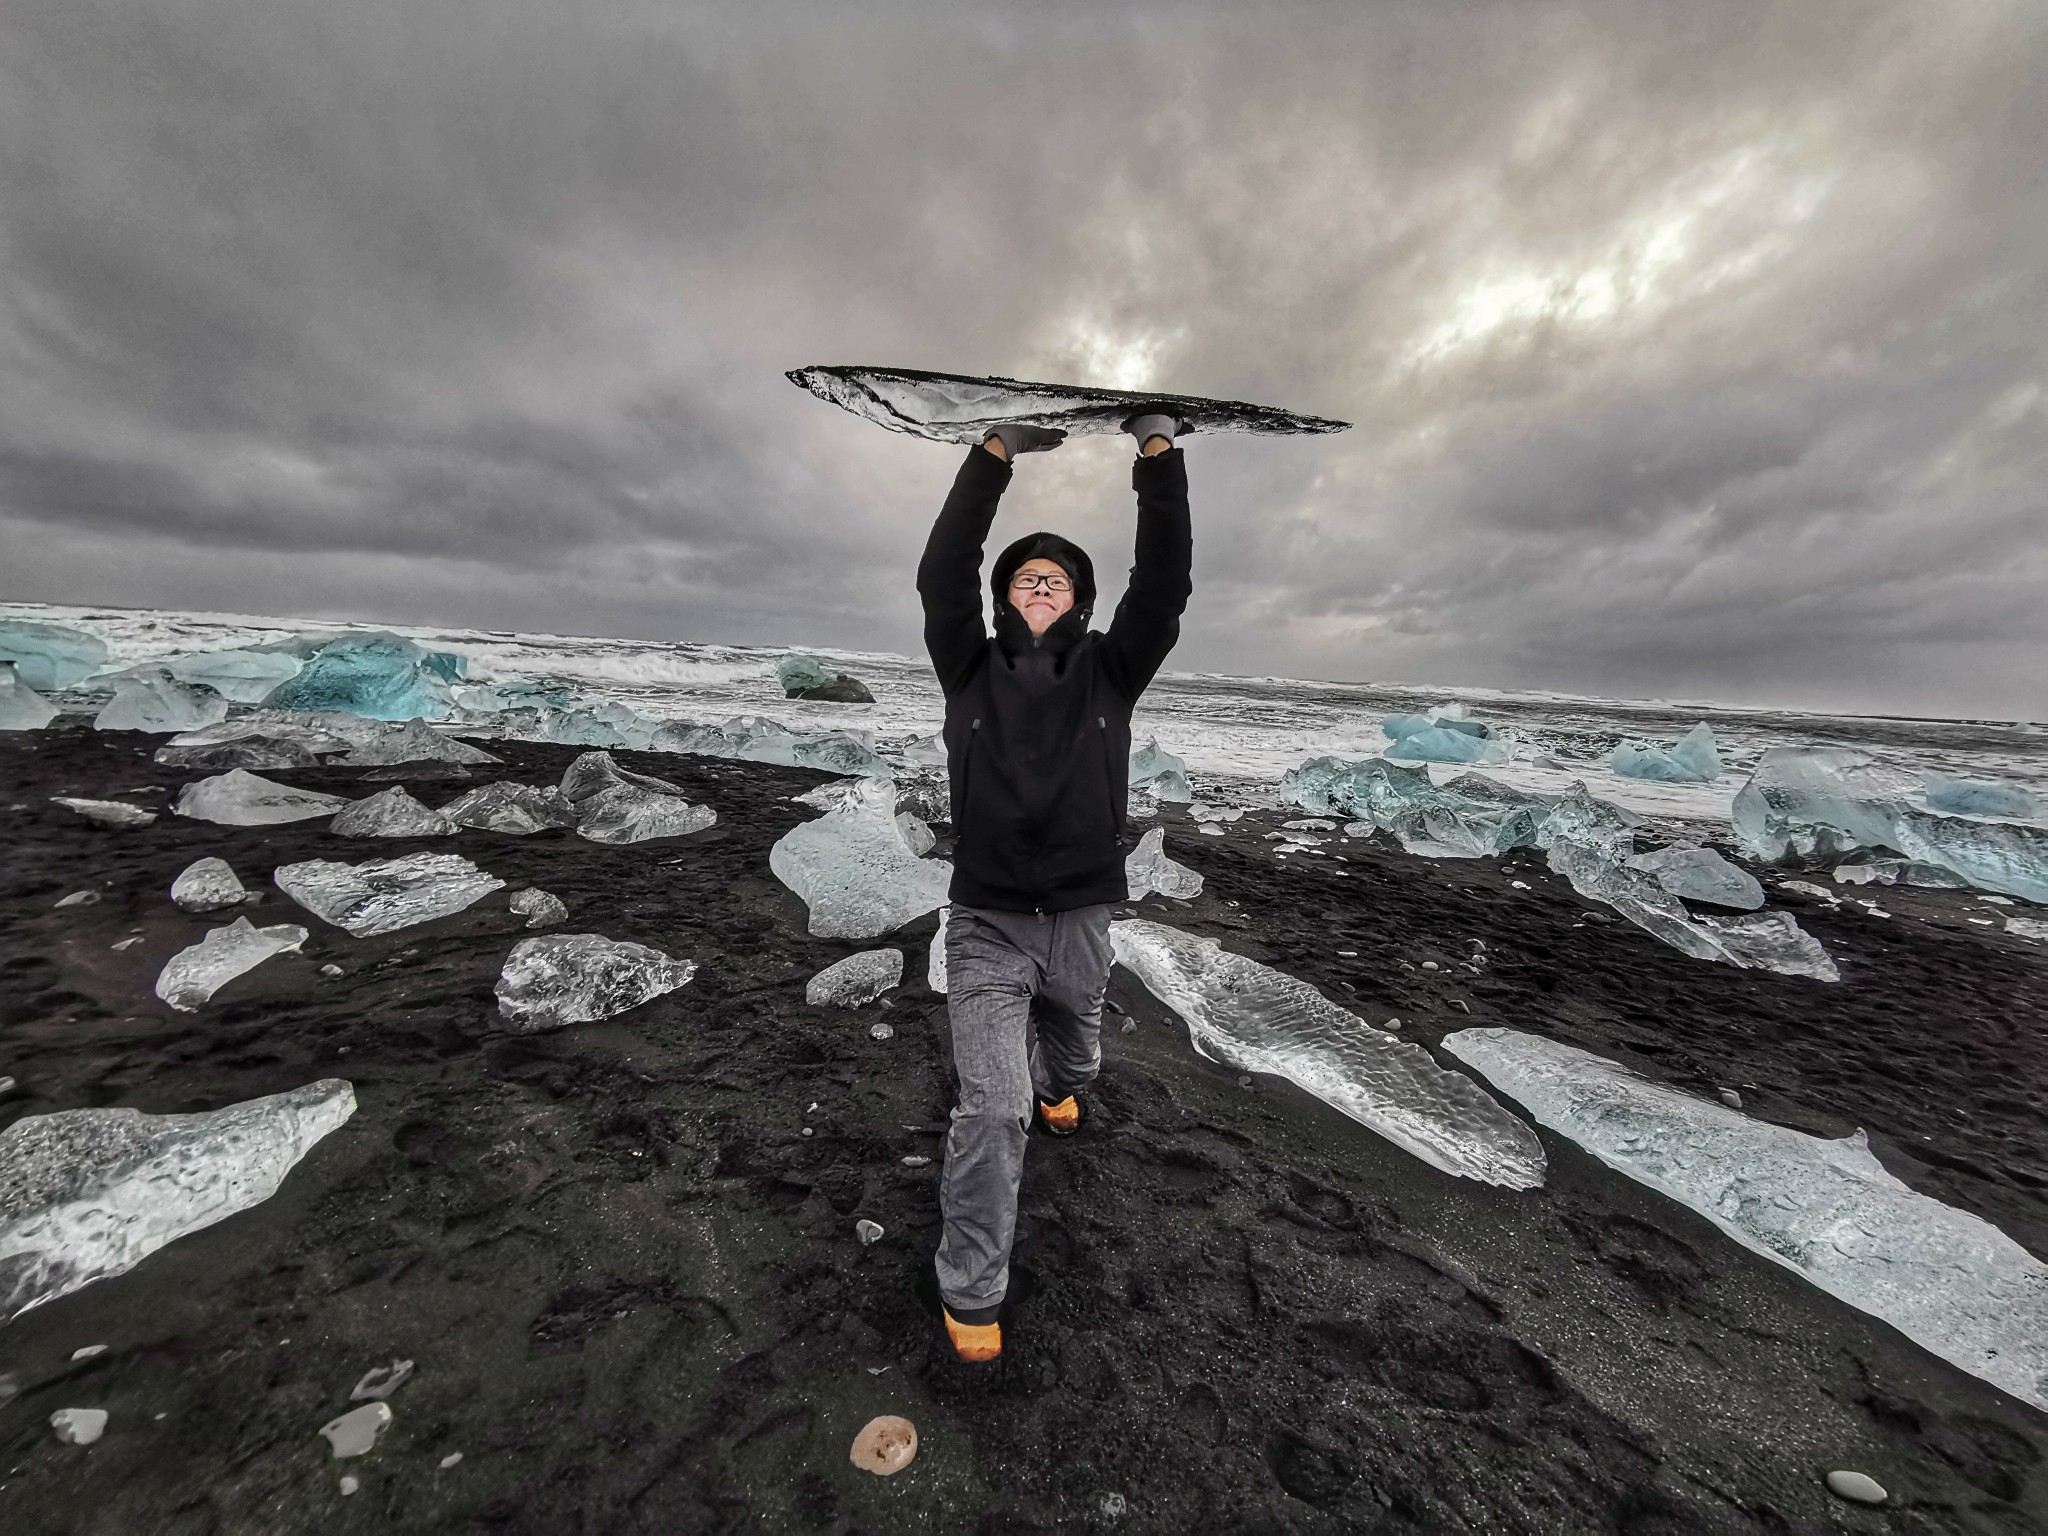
x=1520, y=885
x=1429, y=965
x=882, y=1029
x=1130, y=1026
x=81, y=899
x=381, y=1381
x=88, y=1351
x=1113, y=1506
x=868, y=1231
x=1347, y=954
x=106, y=813
x=349, y=1484
x=541, y=909
x=79, y=1426
x=917, y=1160
x=1856, y=1488
x=1730, y=1097
x=330, y=969
x=1391, y=1024
x=128, y=943
x=6, y=1086
x=808, y=1131
x=450, y=1459
x=1245, y=1081
x=357, y=1430
x=886, y=1444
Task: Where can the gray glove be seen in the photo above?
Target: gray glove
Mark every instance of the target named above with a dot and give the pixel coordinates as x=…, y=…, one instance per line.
x=1018, y=438
x=1150, y=424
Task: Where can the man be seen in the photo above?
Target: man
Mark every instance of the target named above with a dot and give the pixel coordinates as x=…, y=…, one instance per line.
x=1038, y=743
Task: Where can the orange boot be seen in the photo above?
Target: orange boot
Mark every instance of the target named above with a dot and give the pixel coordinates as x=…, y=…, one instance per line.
x=1063, y=1118
x=975, y=1343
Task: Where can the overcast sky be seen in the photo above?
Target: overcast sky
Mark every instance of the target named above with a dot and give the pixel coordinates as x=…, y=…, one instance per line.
x=1693, y=351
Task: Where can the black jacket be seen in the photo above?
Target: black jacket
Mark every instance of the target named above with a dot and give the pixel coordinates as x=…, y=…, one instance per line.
x=1038, y=733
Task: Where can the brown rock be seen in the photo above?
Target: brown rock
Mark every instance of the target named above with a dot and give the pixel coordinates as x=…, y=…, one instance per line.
x=884, y=1445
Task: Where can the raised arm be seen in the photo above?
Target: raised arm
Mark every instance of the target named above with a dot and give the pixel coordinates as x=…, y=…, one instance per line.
x=949, y=575
x=1147, y=621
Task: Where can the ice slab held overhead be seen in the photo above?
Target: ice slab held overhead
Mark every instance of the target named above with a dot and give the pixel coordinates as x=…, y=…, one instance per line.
x=378, y=676
x=1148, y=869
x=1257, y=1019
x=151, y=699
x=385, y=894
x=193, y=975
x=88, y=1193
x=855, y=869
x=1818, y=803
x=855, y=980
x=49, y=657
x=1694, y=759
x=574, y=978
x=21, y=707
x=955, y=408
x=1949, y=1281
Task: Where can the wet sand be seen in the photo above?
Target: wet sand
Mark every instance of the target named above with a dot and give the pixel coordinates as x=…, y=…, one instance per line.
x=635, y=1299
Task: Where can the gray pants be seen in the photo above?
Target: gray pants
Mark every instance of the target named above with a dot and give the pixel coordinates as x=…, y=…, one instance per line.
x=1025, y=995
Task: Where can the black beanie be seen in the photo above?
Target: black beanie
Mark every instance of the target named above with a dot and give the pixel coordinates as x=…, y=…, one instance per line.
x=1068, y=556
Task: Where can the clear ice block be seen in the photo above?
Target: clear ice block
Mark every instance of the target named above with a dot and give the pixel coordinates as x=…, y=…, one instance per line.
x=207, y=885
x=1701, y=874
x=855, y=870
x=153, y=700
x=1148, y=869
x=390, y=813
x=574, y=978
x=239, y=798
x=519, y=809
x=386, y=894
x=245, y=676
x=1694, y=759
x=855, y=980
x=21, y=707
x=378, y=676
x=614, y=805
x=193, y=975
x=49, y=657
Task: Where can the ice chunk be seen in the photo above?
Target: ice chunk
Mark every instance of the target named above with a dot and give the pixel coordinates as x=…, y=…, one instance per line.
x=21, y=707
x=1590, y=842
x=573, y=978
x=49, y=657
x=1701, y=874
x=106, y=813
x=193, y=975
x=239, y=798
x=245, y=676
x=1201, y=810
x=322, y=732
x=152, y=700
x=390, y=813
x=208, y=885
x=1398, y=727
x=1949, y=1281
x=515, y=808
x=1160, y=773
x=1980, y=797
x=1148, y=869
x=1822, y=802
x=385, y=894
x=754, y=738
x=614, y=805
x=378, y=676
x=1448, y=742
x=541, y=909
x=89, y=1193
x=797, y=673
x=926, y=751
x=1885, y=870
x=244, y=752
x=855, y=980
x=1470, y=817
x=955, y=408
x=413, y=742
x=2027, y=927
x=916, y=835
x=855, y=870
x=1256, y=1019
x=935, y=960
x=1694, y=759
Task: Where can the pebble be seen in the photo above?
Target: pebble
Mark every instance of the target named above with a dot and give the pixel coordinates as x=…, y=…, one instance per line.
x=1130, y=1026
x=917, y=1160
x=1520, y=885
x=79, y=1426
x=450, y=1459
x=127, y=943
x=6, y=1085
x=381, y=1381
x=1731, y=1098
x=884, y=1445
x=1348, y=954
x=349, y=1484
x=867, y=1231
x=882, y=1029
x=330, y=970
x=357, y=1430
x=809, y=1132
x=1429, y=965
x=1391, y=1024
x=81, y=899
x=88, y=1351
x=1113, y=1506
x=1244, y=1082
x=1856, y=1488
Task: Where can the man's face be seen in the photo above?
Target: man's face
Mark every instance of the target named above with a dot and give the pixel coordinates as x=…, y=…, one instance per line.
x=1041, y=591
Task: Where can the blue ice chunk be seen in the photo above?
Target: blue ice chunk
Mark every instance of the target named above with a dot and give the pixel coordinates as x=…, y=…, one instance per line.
x=1450, y=741
x=1979, y=797
x=797, y=673
x=149, y=699
x=49, y=656
x=21, y=707
x=1694, y=759
x=378, y=676
x=1160, y=773
x=1399, y=726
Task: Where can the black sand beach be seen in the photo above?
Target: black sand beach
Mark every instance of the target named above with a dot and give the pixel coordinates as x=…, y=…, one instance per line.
x=622, y=1256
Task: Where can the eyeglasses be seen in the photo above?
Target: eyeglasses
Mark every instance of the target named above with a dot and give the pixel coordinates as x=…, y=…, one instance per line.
x=1055, y=581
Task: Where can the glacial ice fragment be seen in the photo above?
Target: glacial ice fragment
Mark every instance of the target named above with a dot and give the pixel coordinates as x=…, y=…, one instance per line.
x=541, y=909
x=414, y=741
x=754, y=738
x=207, y=885
x=1397, y=727
x=855, y=870
x=1823, y=802
x=385, y=894
x=355, y=1433
x=193, y=975
x=614, y=805
x=1256, y=1019
x=1694, y=759
x=1886, y=870
x=1148, y=869
x=322, y=732
x=1201, y=810
x=79, y=1426
x=1160, y=773
x=89, y=1193
x=917, y=837
x=106, y=813
x=1447, y=742
x=574, y=978
x=21, y=707
x=2027, y=927
x=239, y=798
x=797, y=673
x=1701, y=874
x=389, y=813
x=243, y=752
x=244, y=676
x=855, y=980
x=953, y=408
x=1980, y=797
x=152, y=700
x=50, y=657
x=1949, y=1281
x=519, y=809
x=375, y=675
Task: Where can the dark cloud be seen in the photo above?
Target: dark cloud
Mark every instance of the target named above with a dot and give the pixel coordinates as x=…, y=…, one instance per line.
x=1691, y=349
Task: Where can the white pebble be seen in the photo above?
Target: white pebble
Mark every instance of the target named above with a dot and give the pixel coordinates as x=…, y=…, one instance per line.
x=450, y=1459
x=1520, y=885
x=882, y=1029
x=1429, y=965
x=1856, y=1488
x=349, y=1484
x=330, y=969
x=79, y=1426
x=1731, y=1098
x=88, y=1351
x=868, y=1231
x=356, y=1431
x=917, y=1160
